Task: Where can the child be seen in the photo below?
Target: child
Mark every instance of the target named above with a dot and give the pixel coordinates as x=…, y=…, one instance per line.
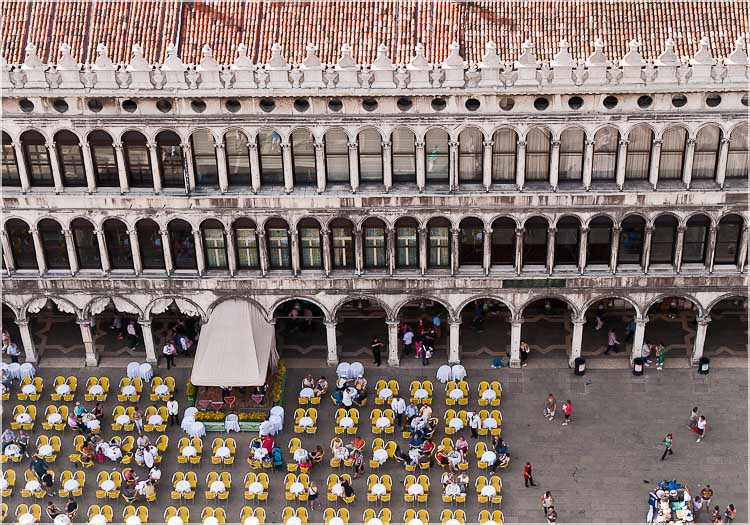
x=661, y=352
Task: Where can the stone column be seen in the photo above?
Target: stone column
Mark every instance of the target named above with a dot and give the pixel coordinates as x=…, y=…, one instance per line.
x=454, y=354
x=354, y=165
x=27, y=341
x=122, y=171
x=332, y=357
x=638, y=337
x=92, y=359
x=148, y=342
x=359, y=259
x=135, y=249
x=455, y=250
x=103, y=252
x=687, y=165
x=700, y=339
x=622, y=157
x=23, y=173
x=286, y=156
x=262, y=252
x=71, y=249
x=554, y=164
x=231, y=251
x=326, y=237
x=390, y=249
x=515, y=342
x=588, y=164
x=487, y=164
x=582, y=247
x=421, y=174
x=320, y=165
x=551, y=249
x=487, y=250
x=393, y=356
x=221, y=164
x=55, y=163
x=294, y=247
x=88, y=164
x=712, y=233
x=387, y=166
x=520, y=164
x=39, y=251
x=646, y=259
x=615, y=249
x=678, y=248
x=252, y=148
x=166, y=247
x=155, y=166
x=576, y=343
x=453, y=165
x=200, y=258
x=187, y=158
x=721, y=166
x=519, y=250
x=653, y=175
x=742, y=258
x=10, y=264
x=423, y=257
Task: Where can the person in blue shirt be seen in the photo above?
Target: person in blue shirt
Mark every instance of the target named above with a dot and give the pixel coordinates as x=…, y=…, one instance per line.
x=276, y=457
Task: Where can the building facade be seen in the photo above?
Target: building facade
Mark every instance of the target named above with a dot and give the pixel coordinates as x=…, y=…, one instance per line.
x=154, y=185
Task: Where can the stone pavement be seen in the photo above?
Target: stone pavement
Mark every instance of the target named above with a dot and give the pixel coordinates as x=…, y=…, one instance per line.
x=598, y=462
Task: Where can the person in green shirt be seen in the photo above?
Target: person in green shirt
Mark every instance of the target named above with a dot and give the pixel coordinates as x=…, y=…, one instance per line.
x=667, y=446
x=661, y=351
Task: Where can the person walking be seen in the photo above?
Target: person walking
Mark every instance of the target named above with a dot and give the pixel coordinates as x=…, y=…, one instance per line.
x=716, y=515
x=547, y=502
x=408, y=338
x=552, y=515
x=169, y=352
x=567, y=409
x=730, y=514
x=436, y=323
x=661, y=352
x=376, y=346
x=701, y=424
x=524, y=351
x=612, y=342
x=474, y=423
x=528, y=477
x=707, y=493
x=667, y=446
x=693, y=421
x=398, y=405
x=132, y=335
x=550, y=407
x=599, y=317
x=12, y=350
x=173, y=409
x=137, y=418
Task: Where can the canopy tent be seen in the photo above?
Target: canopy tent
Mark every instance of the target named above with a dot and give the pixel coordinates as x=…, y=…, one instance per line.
x=235, y=347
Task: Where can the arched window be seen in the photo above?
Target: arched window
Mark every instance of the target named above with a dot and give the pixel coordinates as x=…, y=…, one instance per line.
x=638, y=160
x=404, y=156
x=535, y=241
x=277, y=237
x=599, y=241
x=437, y=166
x=728, y=240
x=37, y=159
x=695, y=240
x=118, y=245
x=538, y=154
x=631, y=240
x=505, y=142
x=182, y=242
x=606, y=145
x=303, y=157
x=370, y=156
x=204, y=159
x=53, y=245
x=471, y=242
x=21, y=244
x=137, y=160
x=439, y=243
x=171, y=160
x=238, y=160
x=567, y=241
x=737, y=159
x=150, y=244
x=407, y=243
x=503, y=242
x=470, y=156
x=672, y=153
x=271, y=158
x=310, y=244
x=342, y=243
x=572, y=145
x=246, y=244
x=104, y=159
x=86, y=245
x=663, y=240
x=374, y=239
x=70, y=159
x=337, y=156
x=706, y=154
x=214, y=245
x=10, y=176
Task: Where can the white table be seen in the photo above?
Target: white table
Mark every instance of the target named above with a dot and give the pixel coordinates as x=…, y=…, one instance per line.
x=187, y=422
x=33, y=485
x=145, y=372
x=337, y=490
x=383, y=422
x=385, y=393
x=458, y=372
x=489, y=423
x=182, y=486
x=378, y=489
x=452, y=490
x=489, y=395
x=93, y=424
x=488, y=490
x=343, y=369
x=175, y=520
x=374, y=521
x=26, y=519
x=380, y=455
x=489, y=457
x=54, y=418
x=456, y=394
x=27, y=370
x=28, y=389
x=306, y=421
x=155, y=419
x=223, y=452
x=217, y=486
x=452, y=521
x=189, y=451
x=296, y=488
x=277, y=411
x=260, y=453
x=421, y=393
x=98, y=519
x=255, y=488
x=251, y=520
x=23, y=417
x=122, y=419
x=62, y=389
x=444, y=374
x=129, y=390
x=456, y=423
x=161, y=390
x=190, y=412
x=294, y=521
x=300, y=454
x=96, y=390
x=12, y=450
x=197, y=429
x=346, y=422
x=46, y=450
x=415, y=489
x=209, y=521
x=71, y=485
x=108, y=485
x=415, y=521
x=3, y=483
x=133, y=369
x=277, y=423
x=133, y=520
x=15, y=370
x=335, y=521
x=306, y=393
x=356, y=370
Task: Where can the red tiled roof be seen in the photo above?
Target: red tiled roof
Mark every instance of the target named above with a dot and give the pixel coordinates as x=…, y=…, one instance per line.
x=399, y=24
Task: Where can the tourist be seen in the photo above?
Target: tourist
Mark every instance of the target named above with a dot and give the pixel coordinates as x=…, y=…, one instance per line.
x=463, y=481
x=552, y=515
x=707, y=493
x=71, y=508
x=23, y=442
x=646, y=350
x=321, y=387
x=427, y=447
x=308, y=319
x=414, y=456
x=169, y=352
x=462, y=445
x=716, y=515
x=667, y=446
x=408, y=339
x=53, y=510
x=661, y=352
x=426, y=355
x=8, y=437
x=173, y=410
x=629, y=331
x=436, y=322
x=398, y=405
x=547, y=502
x=474, y=423
x=359, y=463
x=348, y=490
x=697, y=506
x=524, y=353
x=567, y=409
x=132, y=335
x=312, y=495
x=416, y=440
x=137, y=418
x=441, y=457
x=412, y=410
x=308, y=381
x=47, y=481
x=550, y=407
x=701, y=428
x=445, y=478
x=612, y=342
x=12, y=350
x=79, y=409
x=143, y=441
x=528, y=477
x=357, y=444
x=730, y=514
x=154, y=475
x=693, y=421
x=425, y=412
x=305, y=465
x=317, y=455
x=277, y=459
x=376, y=347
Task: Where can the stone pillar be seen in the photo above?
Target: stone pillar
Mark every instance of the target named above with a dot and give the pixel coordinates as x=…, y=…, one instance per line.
x=88, y=164
x=615, y=249
x=712, y=233
x=622, y=157
x=200, y=258
x=387, y=166
x=393, y=356
x=700, y=339
x=646, y=259
x=678, y=248
x=519, y=250
x=10, y=264
x=551, y=249
x=421, y=174
x=39, y=251
x=166, y=247
x=262, y=252
x=515, y=342
x=390, y=249
x=487, y=250
x=148, y=342
x=576, y=343
x=638, y=337
x=326, y=238
x=332, y=357
x=423, y=256
x=721, y=166
x=453, y=165
x=359, y=258
x=23, y=173
x=122, y=171
x=55, y=163
x=554, y=164
x=687, y=165
x=231, y=251
x=71, y=249
x=588, y=164
x=187, y=158
x=455, y=250
x=103, y=252
x=287, y=164
x=454, y=354
x=653, y=175
x=742, y=258
x=92, y=359
x=520, y=164
x=487, y=164
x=294, y=247
x=221, y=164
x=320, y=165
x=27, y=341
x=354, y=165
x=252, y=148
x=582, y=248
x=135, y=248
x=155, y=167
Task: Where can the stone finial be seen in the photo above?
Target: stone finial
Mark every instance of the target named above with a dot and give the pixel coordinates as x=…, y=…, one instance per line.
x=277, y=68
x=243, y=69
x=597, y=65
x=419, y=68
x=702, y=62
x=382, y=69
x=312, y=68
x=490, y=66
x=209, y=69
x=34, y=69
x=68, y=68
x=174, y=69
x=563, y=64
x=526, y=66
x=104, y=68
x=139, y=69
x=454, y=67
x=347, y=69
x=632, y=64
x=667, y=63
x=737, y=62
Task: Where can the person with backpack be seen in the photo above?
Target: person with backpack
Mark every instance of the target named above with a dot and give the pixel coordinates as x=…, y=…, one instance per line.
x=567, y=409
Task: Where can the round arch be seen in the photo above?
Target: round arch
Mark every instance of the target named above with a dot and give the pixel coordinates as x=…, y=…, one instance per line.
x=86, y=312
x=38, y=302
x=167, y=300
x=351, y=298
x=410, y=299
x=489, y=297
x=234, y=297
x=542, y=297
x=662, y=296
x=271, y=312
x=591, y=302
x=728, y=295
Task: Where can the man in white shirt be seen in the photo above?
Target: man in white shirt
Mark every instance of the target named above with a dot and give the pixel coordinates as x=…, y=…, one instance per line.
x=398, y=405
x=172, y=410
x=12, y=350
x=408, y=341
x=169, y=351
x=474, y=423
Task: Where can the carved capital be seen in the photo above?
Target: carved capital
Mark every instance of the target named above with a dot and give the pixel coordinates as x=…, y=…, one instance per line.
x=519, y=232
x=285, y=145
x=84, y=146
x=454, y=144
x=385, y=145
x=319, y=145
x=352, y=145
x=117, y=146
x=151, y=146
x=584, y=230
x=691, y=141
x=624, y=142
x=50, y=145
x=488, y=143
x=591, y=142
x=219, y=145
x=551, y=231
x=725, y=140
x=419, y=145
x=521, y=143
x=555, y=143
x=681, y=228
x=252, y=146
x=657, y=142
